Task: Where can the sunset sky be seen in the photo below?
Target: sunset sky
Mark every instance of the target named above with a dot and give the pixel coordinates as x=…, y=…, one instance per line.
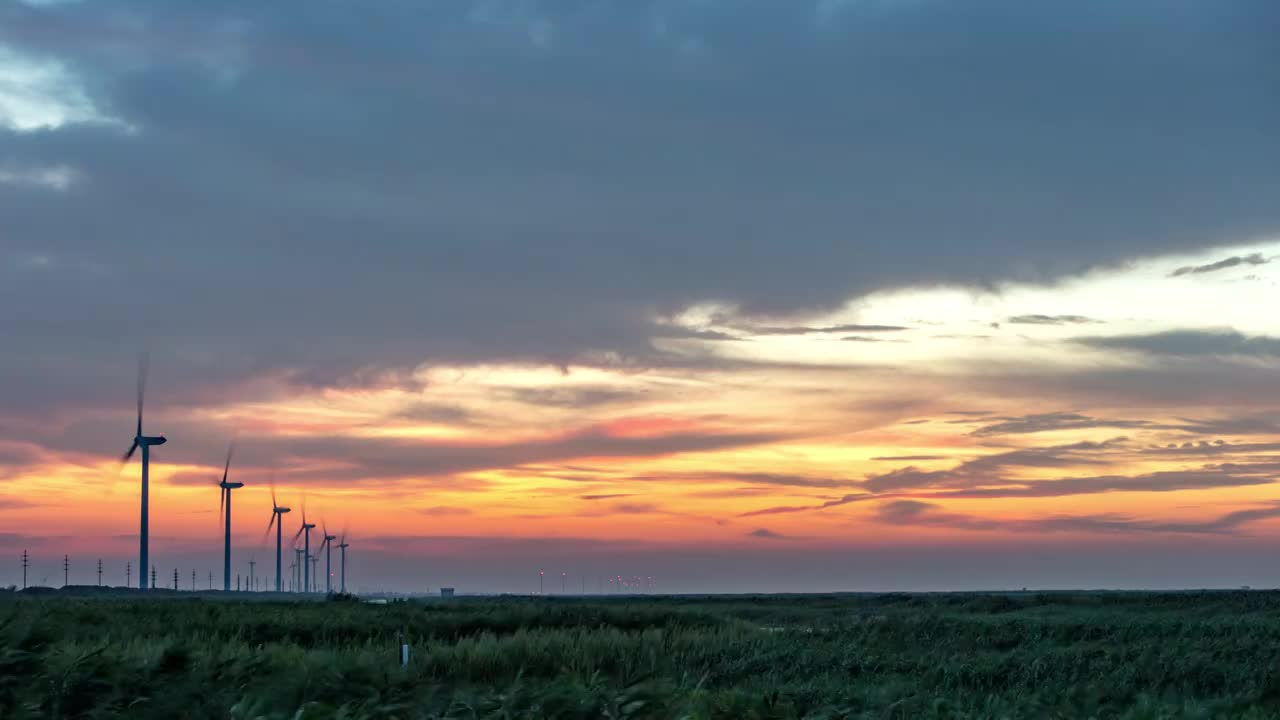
x=737, y=295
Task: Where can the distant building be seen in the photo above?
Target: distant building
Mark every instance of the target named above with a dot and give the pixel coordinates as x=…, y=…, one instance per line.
x=446, y=592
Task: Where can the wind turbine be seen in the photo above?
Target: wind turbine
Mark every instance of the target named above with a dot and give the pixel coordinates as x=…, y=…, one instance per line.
x=327, y=546
x=146, y=443
x=276, y=512
x=342, y=546
x=224, y=509
x=305, y=531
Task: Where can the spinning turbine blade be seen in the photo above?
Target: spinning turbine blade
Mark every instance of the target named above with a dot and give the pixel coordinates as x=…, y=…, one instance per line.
x=144, y=362
x=230, y=449
x=132, y=449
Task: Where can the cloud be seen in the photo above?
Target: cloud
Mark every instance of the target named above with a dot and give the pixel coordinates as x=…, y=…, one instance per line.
x=52, y=177
x=605, y=496
x=786, y=509
x=1049, y=422
x=1209, y=477
x=1233, y=261
x=578, y=397
x=777, y=196
x=909, y=458
x=766, y=534
x=635, y=508
x=806, y=330
x=1050, y=320
x=1190, y=343
x=445, y=511
x=913, y=512
x=437, y=413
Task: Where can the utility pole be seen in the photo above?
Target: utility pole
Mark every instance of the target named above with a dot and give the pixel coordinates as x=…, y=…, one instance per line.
x=99, y=572
x=563, y=578
x=153, y=577
x=26, y=562
x=541, y=576
x=128, y=574
x=175, y=578
x=66, y=570
x=193, y=579
x=252, y=577
x=210, y=579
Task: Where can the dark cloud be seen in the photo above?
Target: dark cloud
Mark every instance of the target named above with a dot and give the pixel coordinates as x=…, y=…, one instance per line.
x=807, y=330
x=1050, y=320
x=635, y=508
x=909, y=458
x=1048, y=422
x=1233, y=261
x=990, y=468
x=785, y=509
x=1190, y=343
x=1208, y=477
x=913, y=512
x=445, y=511
x=766, y=534
x=580, y=397
x=1243, y=425
x=264, y=224
x=436, y=413
x=606, y=496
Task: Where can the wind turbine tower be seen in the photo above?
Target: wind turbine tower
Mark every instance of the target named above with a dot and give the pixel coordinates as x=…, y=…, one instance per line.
x=224, y=508
x=306, y=550
x=277, y=511
x=327, y=544
x=342, y=547
x=146, y=442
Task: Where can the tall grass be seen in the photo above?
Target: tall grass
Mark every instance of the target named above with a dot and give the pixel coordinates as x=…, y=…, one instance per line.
x=1104, y=655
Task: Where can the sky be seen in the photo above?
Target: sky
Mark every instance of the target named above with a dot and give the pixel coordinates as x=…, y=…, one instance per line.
x=725, y=295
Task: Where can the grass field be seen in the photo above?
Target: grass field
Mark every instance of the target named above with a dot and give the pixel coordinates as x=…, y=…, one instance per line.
x=1104, y=655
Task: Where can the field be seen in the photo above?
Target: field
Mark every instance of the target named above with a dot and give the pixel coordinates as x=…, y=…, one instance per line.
x=1105, y=655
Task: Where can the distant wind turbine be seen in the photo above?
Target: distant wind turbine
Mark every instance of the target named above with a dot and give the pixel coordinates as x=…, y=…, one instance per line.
x=224, y=509
x=305, y=531
x=146, y=443
x=342, y=547
x=327, y=546
x=277, y=511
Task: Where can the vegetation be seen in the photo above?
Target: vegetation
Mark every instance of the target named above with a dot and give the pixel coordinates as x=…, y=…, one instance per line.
x=1104, y=655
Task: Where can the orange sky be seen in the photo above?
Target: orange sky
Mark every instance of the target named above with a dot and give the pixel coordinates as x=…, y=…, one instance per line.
x=973, y=431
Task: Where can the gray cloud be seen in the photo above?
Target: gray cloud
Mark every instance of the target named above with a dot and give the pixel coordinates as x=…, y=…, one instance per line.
x=1047, y=422
x=767, y=534
x=445, y=511
x=806, y=330
x=286, y=229
x=1050, y=320
x=605, y=496
x=582, y=397
x=1190, y=343
x=914, y=512
x=1233, y=261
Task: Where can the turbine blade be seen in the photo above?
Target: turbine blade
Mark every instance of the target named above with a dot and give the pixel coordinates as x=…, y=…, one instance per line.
x=144, y=364
x=132, y=449
x=270, y=525
x=230, y=449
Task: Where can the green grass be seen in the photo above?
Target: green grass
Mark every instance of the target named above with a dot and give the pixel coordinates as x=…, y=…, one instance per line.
x=1104, y=655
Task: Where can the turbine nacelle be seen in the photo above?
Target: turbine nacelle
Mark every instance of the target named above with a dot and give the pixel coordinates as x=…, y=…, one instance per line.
x=280, y=510
x=230, y=485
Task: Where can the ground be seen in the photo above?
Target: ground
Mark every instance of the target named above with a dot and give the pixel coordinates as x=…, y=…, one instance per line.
x=1021, y=655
